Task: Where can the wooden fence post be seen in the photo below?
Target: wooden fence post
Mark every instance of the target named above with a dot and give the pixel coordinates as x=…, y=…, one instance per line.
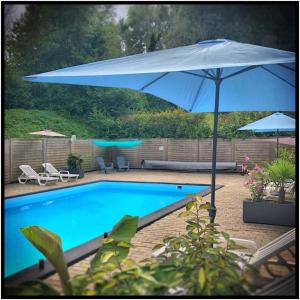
x=233, y=149
x=93, y=160
x=10, y=160
x=167, y=149
x=71, y=146
x=198, y=150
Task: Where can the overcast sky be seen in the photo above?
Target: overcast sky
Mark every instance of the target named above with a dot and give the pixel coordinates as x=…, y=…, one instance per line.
x=121, y=11
x=18, y=9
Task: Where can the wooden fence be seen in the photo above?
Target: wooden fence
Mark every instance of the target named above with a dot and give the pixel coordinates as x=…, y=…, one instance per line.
x=30, y=151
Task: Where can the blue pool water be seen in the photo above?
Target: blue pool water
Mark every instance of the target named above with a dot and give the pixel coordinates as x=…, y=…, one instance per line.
x=80, y=213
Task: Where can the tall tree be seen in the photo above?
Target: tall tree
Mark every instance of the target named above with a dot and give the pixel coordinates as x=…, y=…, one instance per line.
x=145, y=28
x=49, y=37
x=270, y=25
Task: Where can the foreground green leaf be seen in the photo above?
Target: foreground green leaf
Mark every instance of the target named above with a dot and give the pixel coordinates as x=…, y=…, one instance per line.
x=120, y=236
x=49, y=244
x=201, y=277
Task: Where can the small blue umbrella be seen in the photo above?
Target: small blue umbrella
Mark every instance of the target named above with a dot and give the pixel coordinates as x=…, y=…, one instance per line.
x=210, y=76
x=118, y=143
x=277, y=122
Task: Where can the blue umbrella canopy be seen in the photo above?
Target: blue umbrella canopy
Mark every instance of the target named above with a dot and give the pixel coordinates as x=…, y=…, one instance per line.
x=210, y=76
x=117, y=143
x=253, y=77
x=274, y=123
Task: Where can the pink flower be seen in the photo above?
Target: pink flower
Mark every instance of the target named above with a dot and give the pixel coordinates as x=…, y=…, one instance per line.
x=257, y=168
x=247, y=158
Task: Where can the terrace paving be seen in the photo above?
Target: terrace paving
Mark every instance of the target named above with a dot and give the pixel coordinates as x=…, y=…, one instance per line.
x=229, y=202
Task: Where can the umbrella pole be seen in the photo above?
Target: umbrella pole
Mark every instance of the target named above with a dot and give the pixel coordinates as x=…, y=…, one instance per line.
x=212, y=210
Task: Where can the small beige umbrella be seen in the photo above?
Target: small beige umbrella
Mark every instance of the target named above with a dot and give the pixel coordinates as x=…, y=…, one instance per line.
x=47, y=133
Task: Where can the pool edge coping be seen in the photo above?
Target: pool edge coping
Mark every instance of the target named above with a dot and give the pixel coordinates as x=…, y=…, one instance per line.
x=90, y=247
x=96, y=181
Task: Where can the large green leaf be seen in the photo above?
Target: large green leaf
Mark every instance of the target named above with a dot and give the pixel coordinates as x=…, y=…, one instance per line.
x=49, y=244
x=107, y=255
x=201, y=277
x=121, y=234
x=125, y=229
x=190, y=205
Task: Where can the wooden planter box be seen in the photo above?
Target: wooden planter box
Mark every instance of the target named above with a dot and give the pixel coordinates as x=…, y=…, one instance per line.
x=269, y=212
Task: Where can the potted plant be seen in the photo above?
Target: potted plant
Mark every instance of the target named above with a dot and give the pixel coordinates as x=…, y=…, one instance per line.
x=262, y=210
x=279, y=172
x=75, y=165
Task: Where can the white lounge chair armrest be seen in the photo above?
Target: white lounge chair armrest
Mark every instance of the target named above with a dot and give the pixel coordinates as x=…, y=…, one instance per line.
x=249, y=244
x=44, y=174
x=64, y=172
x=159, y=251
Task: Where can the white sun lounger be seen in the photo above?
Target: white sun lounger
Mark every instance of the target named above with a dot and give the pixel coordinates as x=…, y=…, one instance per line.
x=273, y=249
x=247, y=244
x=257, y=257
x=270, y=254
x=63, y=175
x=31, y=175
x=283, y=286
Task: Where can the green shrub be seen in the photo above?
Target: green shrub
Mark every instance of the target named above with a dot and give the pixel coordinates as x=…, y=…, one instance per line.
x=173, y=123
x=133, y=123
x=287, y=154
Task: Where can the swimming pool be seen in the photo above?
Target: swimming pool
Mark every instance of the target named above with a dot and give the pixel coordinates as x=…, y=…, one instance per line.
x=81, y=213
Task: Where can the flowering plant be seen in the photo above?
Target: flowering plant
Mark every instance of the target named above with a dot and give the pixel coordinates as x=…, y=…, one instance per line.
x=247, y=165
x=256, y=181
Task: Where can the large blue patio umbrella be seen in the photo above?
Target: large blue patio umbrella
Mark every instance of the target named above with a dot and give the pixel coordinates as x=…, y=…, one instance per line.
x=277, y=122
x=210, y=76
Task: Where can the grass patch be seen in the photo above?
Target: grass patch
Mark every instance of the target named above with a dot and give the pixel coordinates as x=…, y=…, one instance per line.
x=19, y=122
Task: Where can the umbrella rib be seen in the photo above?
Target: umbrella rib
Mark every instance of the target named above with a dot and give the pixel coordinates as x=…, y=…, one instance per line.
x=277, y=76
x=197, y=94
x=207, y=73
x=197, y=75
x=284, y=66
x=240, y=71
x=153, y=81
